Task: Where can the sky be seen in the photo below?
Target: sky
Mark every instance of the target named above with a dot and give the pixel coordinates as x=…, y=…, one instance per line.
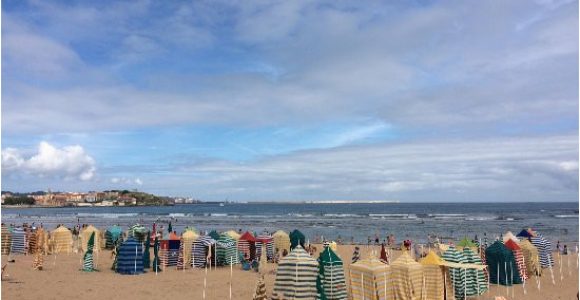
x=430, y=101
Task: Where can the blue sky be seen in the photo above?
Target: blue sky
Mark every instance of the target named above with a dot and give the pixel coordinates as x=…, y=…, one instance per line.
x=300, y=100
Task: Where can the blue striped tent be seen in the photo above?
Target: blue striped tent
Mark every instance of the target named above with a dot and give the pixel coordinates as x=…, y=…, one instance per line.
x=200, y=250
x=544, y=250
x=130, y=257
x=111, y=235
x=18, y=241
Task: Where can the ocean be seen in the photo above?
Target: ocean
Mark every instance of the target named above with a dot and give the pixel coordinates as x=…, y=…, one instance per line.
x=347, y=221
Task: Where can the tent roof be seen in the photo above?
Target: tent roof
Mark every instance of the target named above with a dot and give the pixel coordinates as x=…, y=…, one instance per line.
x=510, y=236
x=115, y=228
x=525, y=244
x=465, y=242
x=233, y=234
x=264, y=238
x=247, y=236
x=432, y=259
x=62, y=229
x=214, y=235
x=328, y=256
x=189, y=234
x=404, y=259
x=510, y=244
x=280, y=233
x=372, y=264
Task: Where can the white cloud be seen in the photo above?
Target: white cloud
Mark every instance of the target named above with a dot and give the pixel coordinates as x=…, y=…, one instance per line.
x=70, y=162
x=126, y=181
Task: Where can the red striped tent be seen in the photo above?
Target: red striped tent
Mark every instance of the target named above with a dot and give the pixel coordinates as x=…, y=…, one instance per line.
x=517, y=251
x=268, y=242
x=247, y=245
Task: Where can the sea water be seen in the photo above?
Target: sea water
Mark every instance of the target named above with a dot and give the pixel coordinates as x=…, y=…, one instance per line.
x=347, y=221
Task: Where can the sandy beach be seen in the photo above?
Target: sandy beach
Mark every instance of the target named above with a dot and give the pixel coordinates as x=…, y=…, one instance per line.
x=62, y=279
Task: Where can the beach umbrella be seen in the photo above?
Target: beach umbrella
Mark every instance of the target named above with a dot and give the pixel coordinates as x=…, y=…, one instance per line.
x=281, y=241
x=88, y=265
x=130, y=257
x=331, y=283
x=297, y=238
x=476, y=281
x=296, y=276
x=146, y=254
x=407, y=278
x=6, y=238
x=516, y=250
x=260, y=293
x=437, y=283
x=502, y=265
x=369, y=280
x=156, y=262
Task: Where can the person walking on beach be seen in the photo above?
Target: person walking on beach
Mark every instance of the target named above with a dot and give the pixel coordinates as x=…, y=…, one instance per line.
x=369, y=241
x=558, y=246
x=565, y=250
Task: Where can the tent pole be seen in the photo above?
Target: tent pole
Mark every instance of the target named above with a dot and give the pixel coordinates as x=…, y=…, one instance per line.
x=561, y=275
x=204, y=281
x=507, y=291
x=525, y=268
x=231, y=275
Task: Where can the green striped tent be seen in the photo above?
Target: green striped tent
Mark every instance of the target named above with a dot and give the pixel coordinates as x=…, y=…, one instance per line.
x=331, y=282
x=227, y=252
x=477, y=284
x=406, y=278
x=502, y=265
x=138, y=232
x=457, y=274
x=88, y=265
x=296, y=276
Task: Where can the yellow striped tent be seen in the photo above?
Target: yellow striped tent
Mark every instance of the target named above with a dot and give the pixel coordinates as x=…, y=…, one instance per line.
x=6, y=240
x=61, y=240
x=85, y=235
x=40, y=249
x=234, y=235
x=369, y=279
x=281, y=241
x=406, y=278
x=437, y=284
x=296, y=276
x=531, y=258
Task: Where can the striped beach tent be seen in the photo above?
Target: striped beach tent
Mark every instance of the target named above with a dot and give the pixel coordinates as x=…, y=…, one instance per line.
x=187, y=238
x=457, y=273
x=297, y=238
x=138, y=232
x=61, y=240
x=502, y=265
x=516, y=250
x=234, y=235
x=38, y=261
x=437, y=283
x=86, y=234
x=531, y=258
x=544, y=250
x=130, y=257
x=296, y=276
x=169, y=251
x=200, y=251
x=111, y=235
x=281, y=241
x=268, y=242
x=227, y=253
x=31, y=240
x=406, y=278
x=88, y=264
x=6, y=240
x=331, y=282
x=356, y=255
x=369, y=280
x=477, y=283
x=18, y=241
x=247, y=245
x=260, y=293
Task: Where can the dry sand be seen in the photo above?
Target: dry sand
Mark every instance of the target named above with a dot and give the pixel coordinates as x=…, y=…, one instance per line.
x=62, y=279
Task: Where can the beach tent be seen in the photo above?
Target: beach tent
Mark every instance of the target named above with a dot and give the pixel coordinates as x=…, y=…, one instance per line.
x=169, y=251
x=200, y=251
x=260, y=293
x=226, y=251
x=406, y=278
x=6, y=240
x=525, y=233
x=111, y=235
x=531, y=258
x=138, y=232
x=544, y=250
x=516, y=250
x=130, y=257
x=331, y=282
x=510, y=236
x=31, y=240
x=187, y=238
x=247, y=245
x=476, y=280
x=457, y=272
x=296, y=276
x=501, y=263
x=88, y=265
x=281, y=241
x=369, y=280
x=465, y=242
x=18, y=241
x=268, y=242
x=297, y=238
x=38, y=261
x=214, y=235
x=234, y=235
x=86, y=234
x=437, y=283
x=61, y=240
